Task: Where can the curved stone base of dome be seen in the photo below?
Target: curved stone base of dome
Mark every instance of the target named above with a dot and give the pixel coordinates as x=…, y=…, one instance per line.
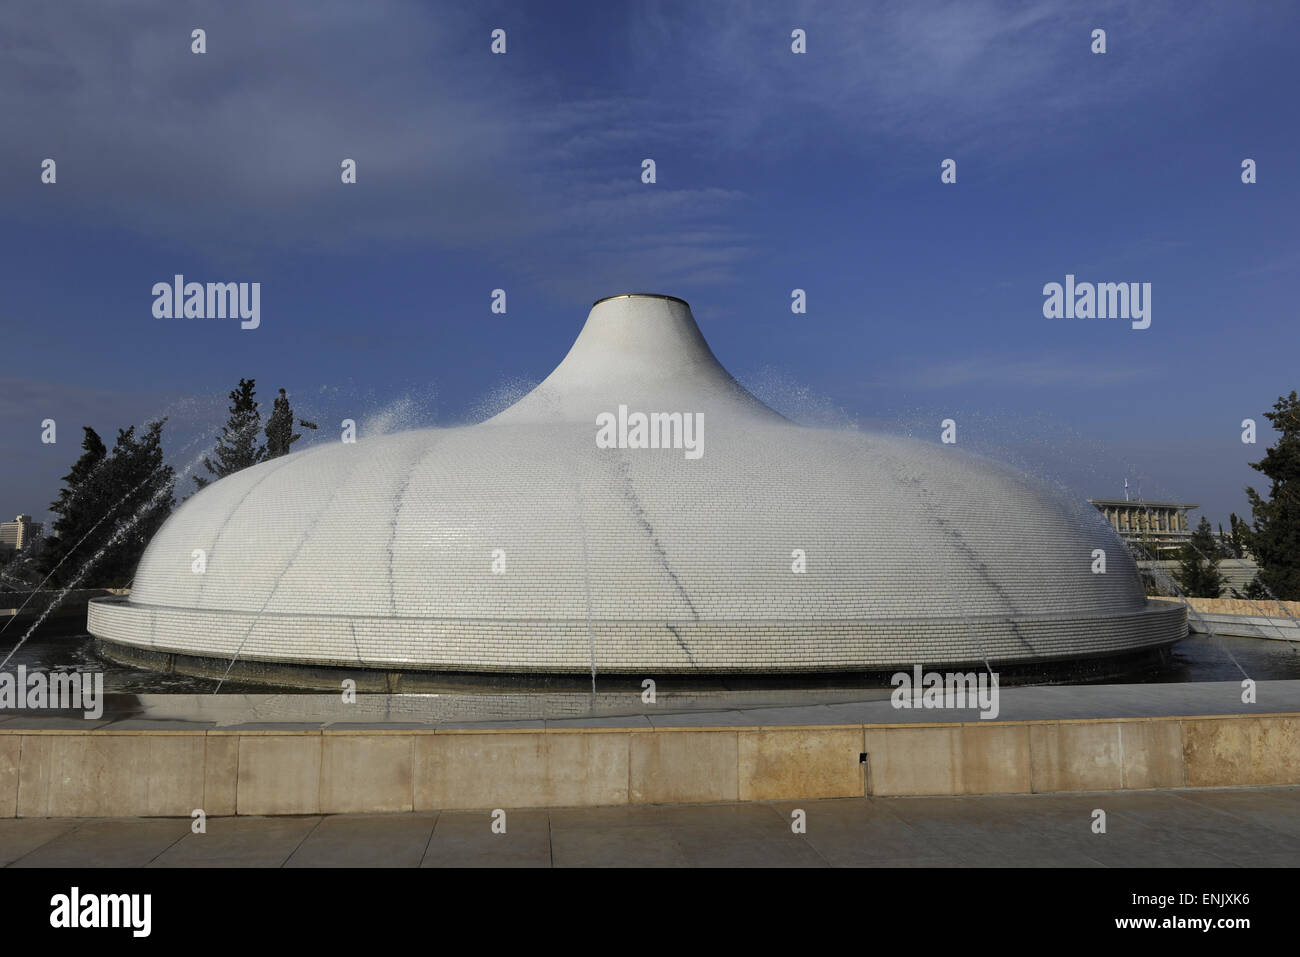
x=571, y=695
x=516, y=646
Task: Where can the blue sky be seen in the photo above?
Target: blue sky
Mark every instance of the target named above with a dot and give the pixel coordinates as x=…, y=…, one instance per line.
x=775, y=171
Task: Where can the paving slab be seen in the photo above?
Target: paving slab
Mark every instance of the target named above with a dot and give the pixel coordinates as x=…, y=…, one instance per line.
x=711, y=835
x=999, y=833
x=466, y=839
x=157, y=724
x=703, y=719
x=860, y=832
x=1172, y=828
x=606, y=845
x=621, y=721
x=1275, y=809
x=366, y=840
x=21, y=836
x=53, y=722
x=1235, y=840
x=120, y=842
x=239, y=842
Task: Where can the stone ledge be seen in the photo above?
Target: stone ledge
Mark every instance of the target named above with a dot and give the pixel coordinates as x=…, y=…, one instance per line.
x=69, y=773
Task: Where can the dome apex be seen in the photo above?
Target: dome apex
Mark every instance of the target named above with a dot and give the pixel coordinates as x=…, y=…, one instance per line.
x=642, y=350
x=642, y=295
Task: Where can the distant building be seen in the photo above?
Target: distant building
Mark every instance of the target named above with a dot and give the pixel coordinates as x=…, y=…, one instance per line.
x=19, y=535
x=1154, y=526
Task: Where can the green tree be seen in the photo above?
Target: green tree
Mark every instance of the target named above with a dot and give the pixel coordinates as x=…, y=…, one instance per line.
x=142, y=483
x=111, y=506
x=1237, y=530
x=279, y=428
x=237, y=446
x=79, y=506
x=1274, y=536
x=1198, y=564
x=1254, y=591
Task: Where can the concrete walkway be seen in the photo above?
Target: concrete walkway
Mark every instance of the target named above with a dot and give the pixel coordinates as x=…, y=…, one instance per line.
x=1239, y=827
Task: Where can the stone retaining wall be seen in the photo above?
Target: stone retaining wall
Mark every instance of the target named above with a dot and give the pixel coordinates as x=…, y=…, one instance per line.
x=75, y=773
x=1242, y=606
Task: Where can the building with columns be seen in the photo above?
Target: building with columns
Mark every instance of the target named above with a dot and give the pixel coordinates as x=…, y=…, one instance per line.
x=1158, y=526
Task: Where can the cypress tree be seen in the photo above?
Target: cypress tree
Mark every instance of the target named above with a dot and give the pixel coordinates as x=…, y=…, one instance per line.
x=279, y=428
x=236, y=445
x=1274, y=537
x=79, y=506
x=1198, y=564
x=1236, y=536
x=139, y=479
x=111, y=506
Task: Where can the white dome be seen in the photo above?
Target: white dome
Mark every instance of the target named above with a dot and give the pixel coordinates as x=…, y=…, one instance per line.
x=380, y=554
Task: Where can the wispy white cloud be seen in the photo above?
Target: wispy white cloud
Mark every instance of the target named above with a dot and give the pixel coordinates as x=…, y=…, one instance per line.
x=966, y=74
x=238, y=150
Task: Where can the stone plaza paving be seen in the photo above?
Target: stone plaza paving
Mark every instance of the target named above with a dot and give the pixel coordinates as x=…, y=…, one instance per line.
x=1231, y=827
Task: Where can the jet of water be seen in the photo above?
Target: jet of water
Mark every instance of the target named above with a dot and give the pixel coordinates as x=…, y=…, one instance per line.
x=121, y=530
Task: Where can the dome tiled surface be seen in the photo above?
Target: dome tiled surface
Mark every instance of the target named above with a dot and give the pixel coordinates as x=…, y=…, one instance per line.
x=380, y=554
